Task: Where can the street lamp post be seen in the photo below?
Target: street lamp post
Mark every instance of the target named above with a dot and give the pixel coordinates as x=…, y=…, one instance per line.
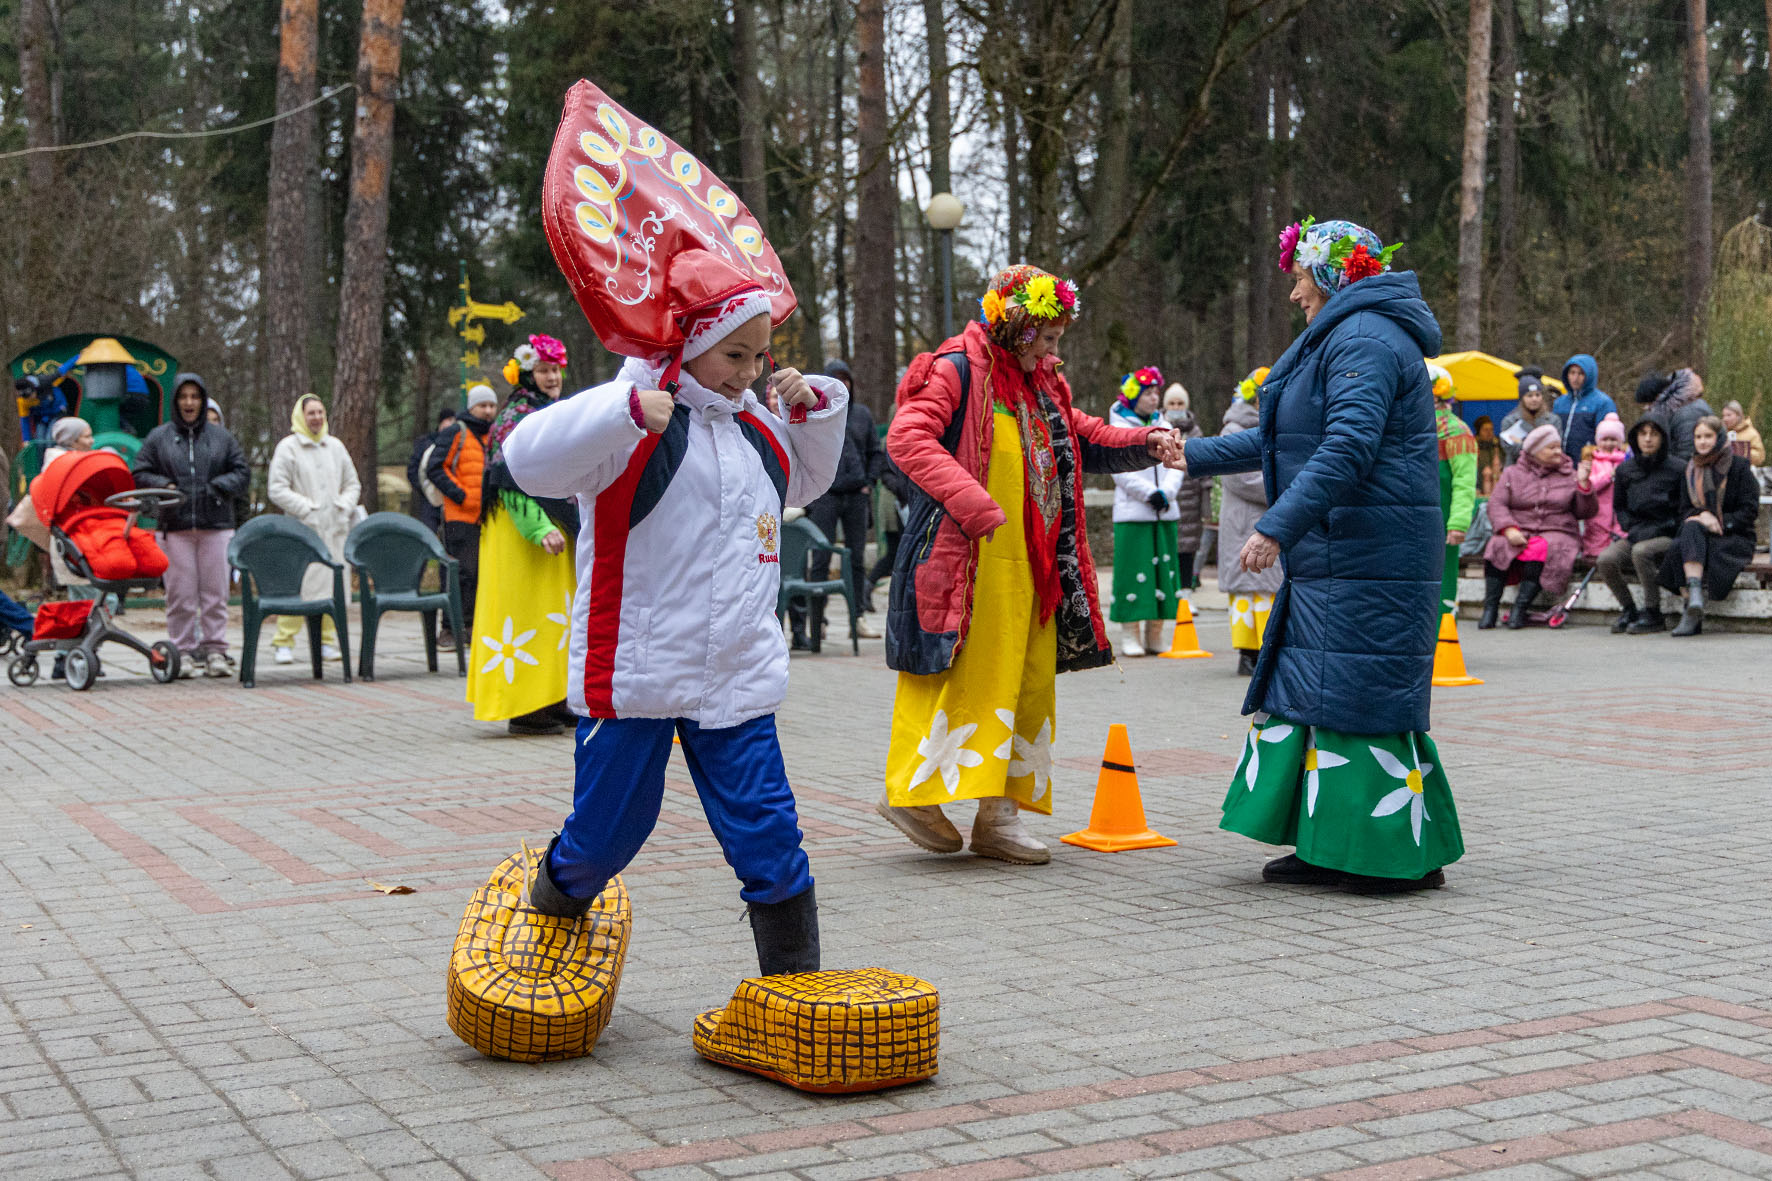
x=944, y=215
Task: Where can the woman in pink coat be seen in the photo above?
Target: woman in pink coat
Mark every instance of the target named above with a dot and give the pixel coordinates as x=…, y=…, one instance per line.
x=1535, y=510
x=1601, y=529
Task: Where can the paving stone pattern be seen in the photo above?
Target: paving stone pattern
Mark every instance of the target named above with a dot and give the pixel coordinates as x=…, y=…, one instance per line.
x=197, y=980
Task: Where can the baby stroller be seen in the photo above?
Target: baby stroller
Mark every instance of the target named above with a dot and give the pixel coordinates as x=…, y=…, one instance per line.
x=89, y=502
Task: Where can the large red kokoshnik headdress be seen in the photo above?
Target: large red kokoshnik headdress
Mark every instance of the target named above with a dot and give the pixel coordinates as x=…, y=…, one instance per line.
x=648, y=238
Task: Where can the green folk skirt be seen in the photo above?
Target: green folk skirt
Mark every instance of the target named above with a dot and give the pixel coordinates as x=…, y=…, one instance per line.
x=1147, y=576
x=1374, y=804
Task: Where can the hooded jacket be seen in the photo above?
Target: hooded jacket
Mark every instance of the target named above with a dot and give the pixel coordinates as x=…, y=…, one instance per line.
x=1581, y=413
x=678, y=562
x=202, y=460
x=1350, y=462
x=1676, y=401
x=1647, y=489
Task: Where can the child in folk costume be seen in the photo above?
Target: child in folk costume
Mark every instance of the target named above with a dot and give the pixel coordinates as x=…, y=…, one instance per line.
x=995, y=591
x=1458, y=479
x=673, y=625
x=1147, y=576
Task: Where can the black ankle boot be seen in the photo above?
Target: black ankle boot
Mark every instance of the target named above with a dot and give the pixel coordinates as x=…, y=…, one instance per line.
x=1245, y=662
x=1522, y=604
x=1692, y=618
x=1626, y=617
x=1649, y=619
x=549, y=898
x=1492, y=587
x=786, y=934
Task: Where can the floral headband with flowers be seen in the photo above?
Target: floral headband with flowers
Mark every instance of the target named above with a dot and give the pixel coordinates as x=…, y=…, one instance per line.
x=525, y=357
x=1138, y=381
x=1022, y=299
x=1251, y=385
x=1336, y=253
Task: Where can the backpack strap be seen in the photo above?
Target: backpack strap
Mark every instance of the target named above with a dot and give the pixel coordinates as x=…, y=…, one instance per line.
x=950, y=438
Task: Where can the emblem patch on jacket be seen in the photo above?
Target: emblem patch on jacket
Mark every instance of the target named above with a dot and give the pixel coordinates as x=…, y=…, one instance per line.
x=767, y=533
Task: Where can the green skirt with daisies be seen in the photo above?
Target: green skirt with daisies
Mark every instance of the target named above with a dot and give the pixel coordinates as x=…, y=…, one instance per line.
x=1147, y=574
x=1374, y=804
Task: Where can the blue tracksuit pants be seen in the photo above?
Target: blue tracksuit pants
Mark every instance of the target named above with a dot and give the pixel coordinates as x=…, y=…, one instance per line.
x=738, y=773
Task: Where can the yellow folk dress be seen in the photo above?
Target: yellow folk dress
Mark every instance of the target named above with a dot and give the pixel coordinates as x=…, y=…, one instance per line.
x=522, y=622
x=985, y=726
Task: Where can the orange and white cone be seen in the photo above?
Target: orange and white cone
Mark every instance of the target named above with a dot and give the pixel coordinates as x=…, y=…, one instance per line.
x=1186, y=644
x=1116, y=822
x=1449, y=656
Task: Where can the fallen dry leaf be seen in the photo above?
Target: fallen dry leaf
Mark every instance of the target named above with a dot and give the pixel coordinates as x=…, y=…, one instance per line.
x=26, y=926
x=375, y=885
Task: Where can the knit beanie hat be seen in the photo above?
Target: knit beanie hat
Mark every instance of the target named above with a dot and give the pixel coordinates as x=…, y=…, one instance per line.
x=1529, y=378
x=1611, y=427
x=480, y=394
x=63, y=431
x=1538, y=438
x=707, y=328
x=1651, y=386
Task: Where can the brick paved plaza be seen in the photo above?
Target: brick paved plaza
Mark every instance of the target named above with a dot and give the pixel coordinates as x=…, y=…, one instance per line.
x=198, y=982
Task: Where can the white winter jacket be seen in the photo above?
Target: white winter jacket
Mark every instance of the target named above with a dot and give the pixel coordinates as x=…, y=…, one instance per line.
x=316, y=483
x=678, y=565
x=1132, y=489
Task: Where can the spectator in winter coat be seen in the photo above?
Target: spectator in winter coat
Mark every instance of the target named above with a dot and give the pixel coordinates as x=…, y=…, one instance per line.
x=457, y=469
x=1584, y=407
x=1742, y=435
x=1242, y=502
x=313, y=479
x=1716, y=539
x=1676, y=400
x=422, y=508
x=848, y=503
x=1535, y=510
x=1488, y=456
x=1532, y=413
x=1147, y=578
x=206, y=463
x=1195, y=497
x=1606, y=453
x=1646, y=499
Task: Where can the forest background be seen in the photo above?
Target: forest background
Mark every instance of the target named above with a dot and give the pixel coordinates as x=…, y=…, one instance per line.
x=1565, y=175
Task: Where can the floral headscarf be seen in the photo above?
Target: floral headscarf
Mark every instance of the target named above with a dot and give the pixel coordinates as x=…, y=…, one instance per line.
x=1335, y=252
x=1136, y=383
x=1022, y=300
x=520, y=369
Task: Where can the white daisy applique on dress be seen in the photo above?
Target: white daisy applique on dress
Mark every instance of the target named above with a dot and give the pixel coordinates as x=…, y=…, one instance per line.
x=1257, y=736
x=509, y=651
x=944, y=753
x=1028, y=756
x=563, y=617
x=1410, y=793
x=1315, y=762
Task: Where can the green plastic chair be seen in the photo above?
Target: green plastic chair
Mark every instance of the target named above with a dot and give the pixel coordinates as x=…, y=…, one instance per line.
x=390, y=553
x=798, y=539
x=271, y=554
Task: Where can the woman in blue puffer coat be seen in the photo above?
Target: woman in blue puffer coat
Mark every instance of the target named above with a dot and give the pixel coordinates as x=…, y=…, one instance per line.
x=1338, y=763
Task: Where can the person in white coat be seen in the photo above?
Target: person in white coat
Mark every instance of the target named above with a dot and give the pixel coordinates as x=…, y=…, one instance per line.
x=1147, y=570
x=313, y=480
x=674, y=631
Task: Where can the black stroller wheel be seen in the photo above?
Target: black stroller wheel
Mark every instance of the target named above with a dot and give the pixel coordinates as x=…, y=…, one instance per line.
x=23, y=670
x=163, y=660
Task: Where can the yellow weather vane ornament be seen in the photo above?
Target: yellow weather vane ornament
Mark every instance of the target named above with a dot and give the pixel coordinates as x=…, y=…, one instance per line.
x=464, y=314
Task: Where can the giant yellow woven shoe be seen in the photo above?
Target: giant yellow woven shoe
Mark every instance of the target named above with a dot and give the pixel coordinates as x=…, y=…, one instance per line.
x=829, y=1032
x=528, y=986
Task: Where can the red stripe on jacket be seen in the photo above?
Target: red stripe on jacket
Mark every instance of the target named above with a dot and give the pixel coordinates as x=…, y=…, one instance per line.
x=781, y=454
x=608, y=564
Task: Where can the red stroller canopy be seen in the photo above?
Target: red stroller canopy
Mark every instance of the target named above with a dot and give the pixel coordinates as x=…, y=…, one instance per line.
x=633, y=219
x=78, y=480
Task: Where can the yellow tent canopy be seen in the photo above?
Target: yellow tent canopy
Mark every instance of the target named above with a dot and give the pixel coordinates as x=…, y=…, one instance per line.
x=1478, y=377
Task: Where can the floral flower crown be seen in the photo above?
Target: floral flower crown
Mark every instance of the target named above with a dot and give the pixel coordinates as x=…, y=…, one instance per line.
x=1340, y=257
x=525, y=357
x=1251, y=385
x=1041, y=296
x=1139, y=380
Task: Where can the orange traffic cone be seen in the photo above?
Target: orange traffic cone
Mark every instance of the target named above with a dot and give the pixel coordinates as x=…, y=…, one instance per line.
x=1186, y=644
x=1449, y=657
x=1117, y=823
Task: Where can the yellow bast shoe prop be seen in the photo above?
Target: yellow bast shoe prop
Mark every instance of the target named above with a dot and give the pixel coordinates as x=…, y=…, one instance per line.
x=528, y=986
x=828, y=1032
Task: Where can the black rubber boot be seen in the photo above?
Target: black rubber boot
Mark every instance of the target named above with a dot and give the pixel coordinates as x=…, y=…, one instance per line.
x=786, y=934
x=548, y=898
x=1626, y=617
x=1523, y=597
x=1649, y=619
x=562, y=713
x=1692, y=618
x=1245, y=662
x=538, y=721
x=1493, y=585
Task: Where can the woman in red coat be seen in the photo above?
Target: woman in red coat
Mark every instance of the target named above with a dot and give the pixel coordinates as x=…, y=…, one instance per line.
x=1535, y=510
x=994, y=591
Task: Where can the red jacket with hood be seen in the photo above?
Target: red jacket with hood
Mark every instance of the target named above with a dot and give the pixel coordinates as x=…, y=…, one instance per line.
x=941, y=439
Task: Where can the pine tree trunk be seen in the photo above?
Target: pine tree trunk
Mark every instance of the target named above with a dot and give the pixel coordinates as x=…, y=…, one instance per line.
x=1012, y=185
x=753, y=181
x=40, y=167
x=356, y=382
x=1108, y=196
x=1263, y=108
x=935, y=29
x=1279, y=319
x=1698, y=176
x=839, y=231
x=1506, y=302
x=1469, y=334
x=287, y=208
x=876, y=312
